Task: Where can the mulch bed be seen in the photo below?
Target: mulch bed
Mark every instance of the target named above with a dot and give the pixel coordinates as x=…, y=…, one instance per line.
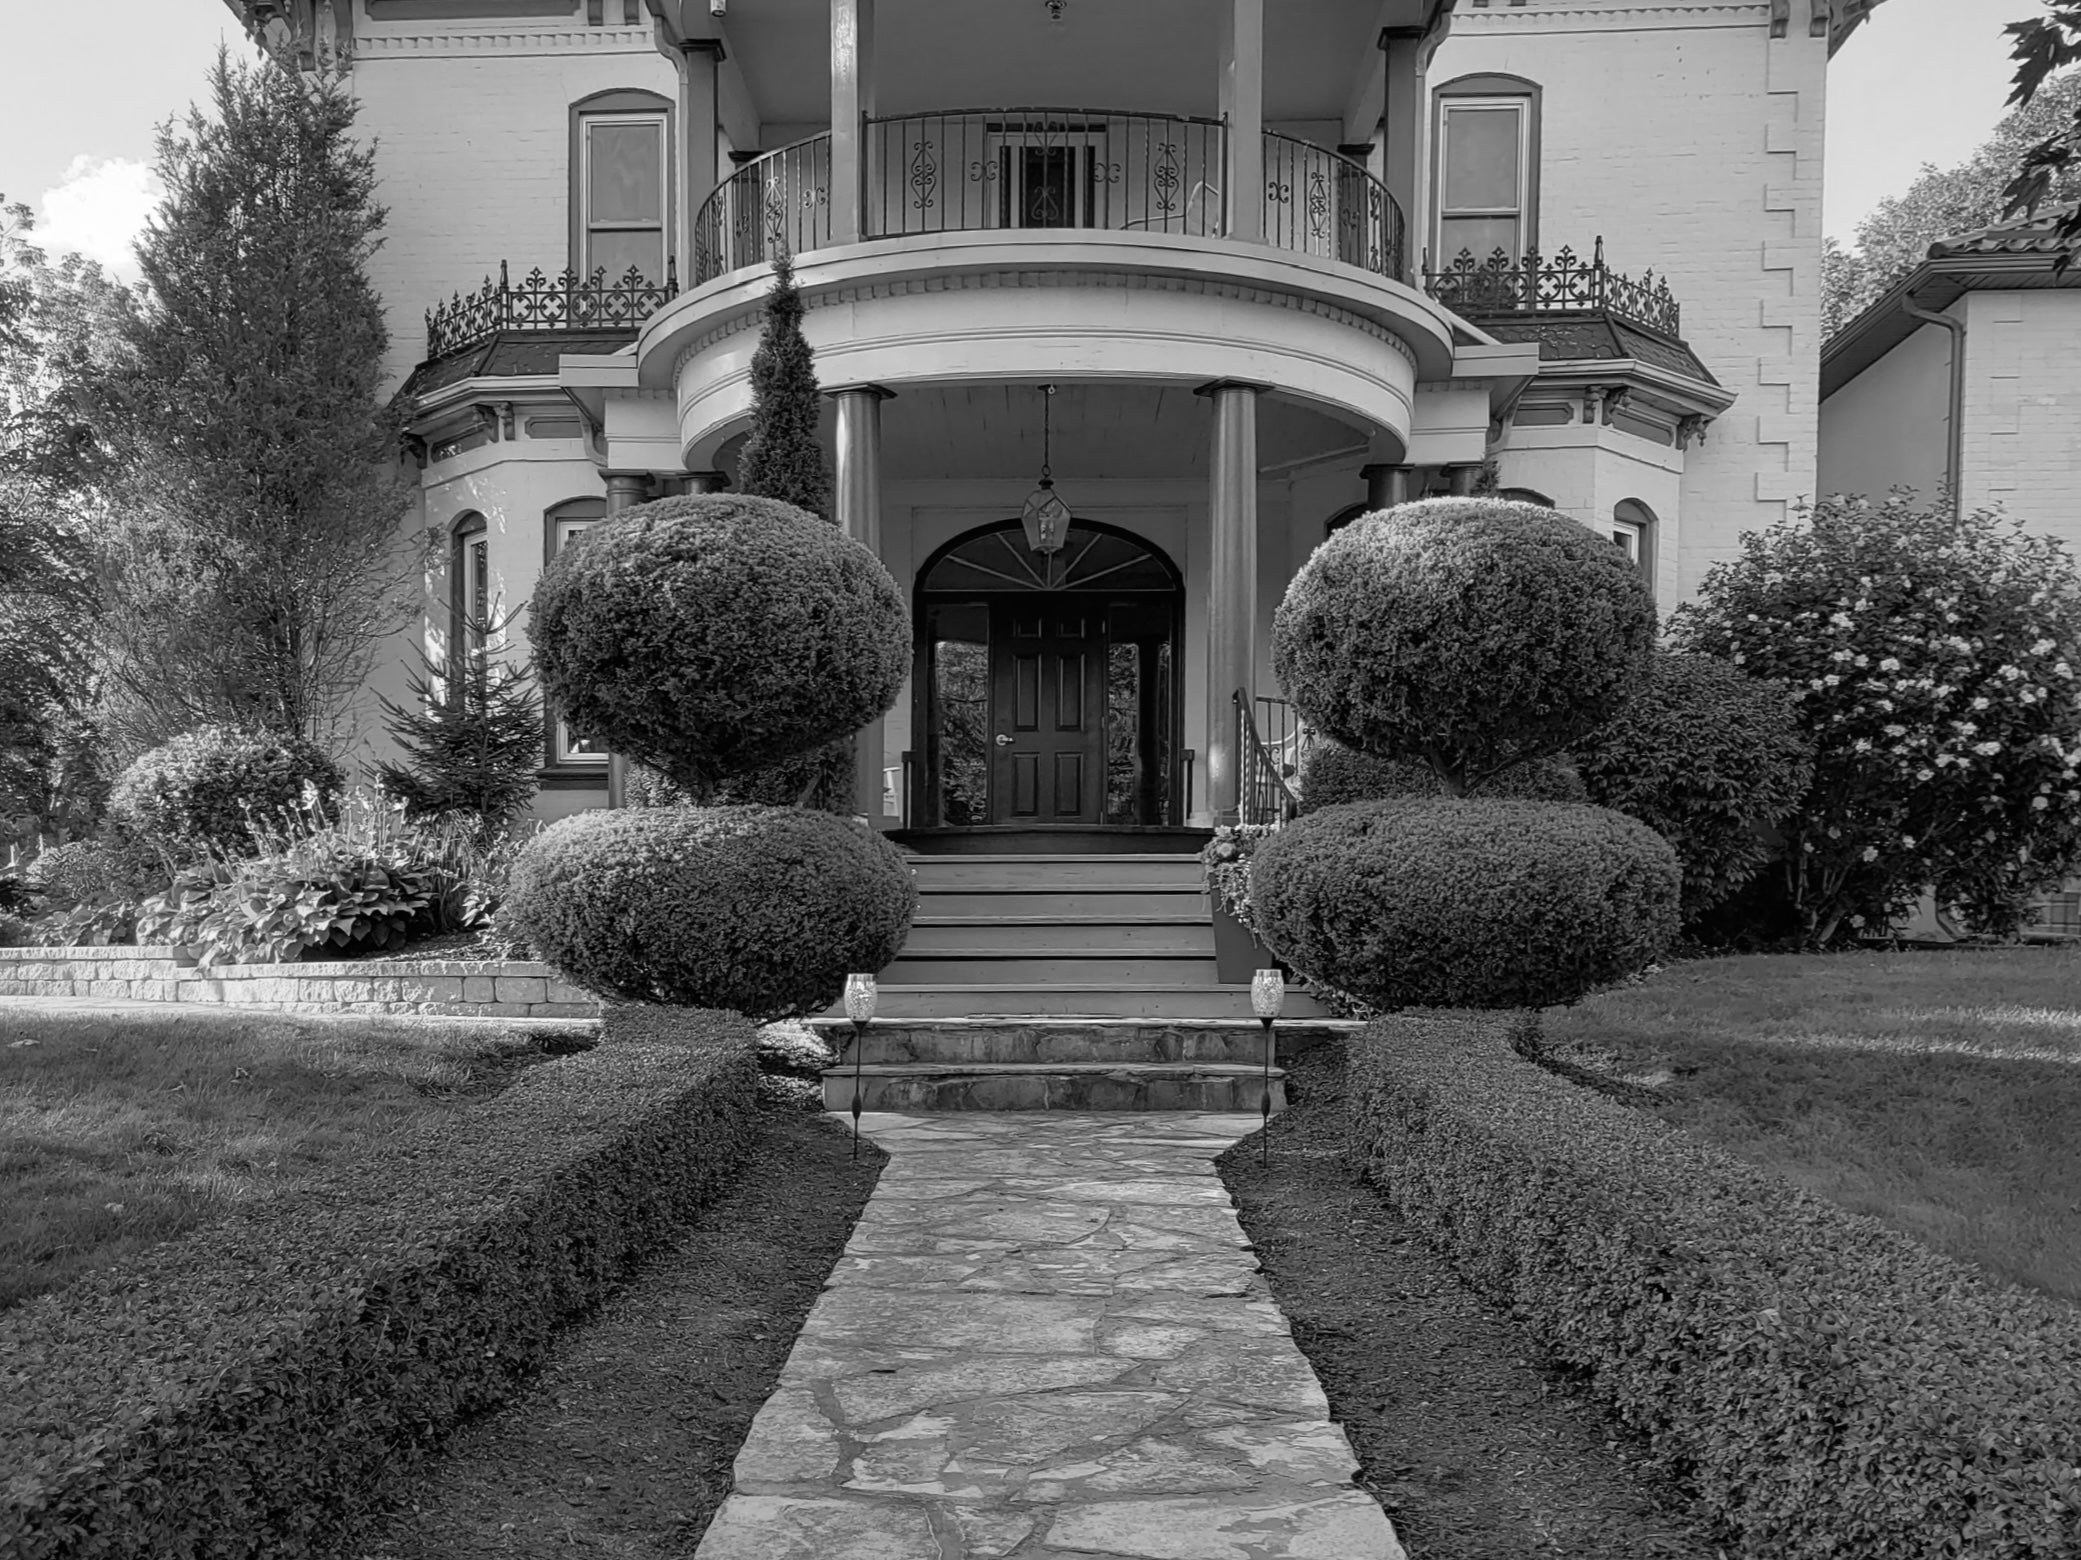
x=623, y=1445
x=1478, y=1447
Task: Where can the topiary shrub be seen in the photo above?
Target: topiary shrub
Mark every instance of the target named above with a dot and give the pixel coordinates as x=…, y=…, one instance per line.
x=1332, y=775
x=1709, y=758
x=713, y=635
x=206, y=788
x=763, y=910
x=1472, y=633
x=1466, y=903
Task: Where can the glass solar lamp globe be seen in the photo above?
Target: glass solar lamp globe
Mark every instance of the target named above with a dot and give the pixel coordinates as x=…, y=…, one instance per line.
x=1267, y=993
x=859, y=998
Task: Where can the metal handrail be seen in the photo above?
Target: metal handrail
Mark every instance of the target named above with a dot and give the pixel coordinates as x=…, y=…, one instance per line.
x=1262, y=794
x=1320, y=202
x=778, y=203
x=539, y=301
x=965, y=170
x=1505, y=285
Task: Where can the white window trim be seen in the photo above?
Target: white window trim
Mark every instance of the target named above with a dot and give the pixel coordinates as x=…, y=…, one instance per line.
x=1521, y=212
x=562, y=752
x=587, y=226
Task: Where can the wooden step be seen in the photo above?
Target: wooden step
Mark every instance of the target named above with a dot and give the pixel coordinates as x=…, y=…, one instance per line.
x=1038, y=966
x=1068, y=933
x=1083, y=1000
x=1207, y=1086
x=1140, y=899
x=1019, y=873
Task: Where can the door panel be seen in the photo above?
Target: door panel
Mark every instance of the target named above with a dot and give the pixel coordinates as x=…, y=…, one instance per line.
x=1048, y=663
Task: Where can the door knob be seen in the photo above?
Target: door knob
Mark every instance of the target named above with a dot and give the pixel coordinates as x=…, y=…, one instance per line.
x=1003, y=739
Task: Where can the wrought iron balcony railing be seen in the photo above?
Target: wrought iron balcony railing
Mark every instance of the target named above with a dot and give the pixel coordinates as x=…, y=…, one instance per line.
x=776, y=204
x=981, y=170
x=541, y=302
x=1561, y=283
x=1320, y=202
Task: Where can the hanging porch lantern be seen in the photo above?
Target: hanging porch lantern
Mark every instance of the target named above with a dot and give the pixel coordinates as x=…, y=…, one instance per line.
x=1046, y=517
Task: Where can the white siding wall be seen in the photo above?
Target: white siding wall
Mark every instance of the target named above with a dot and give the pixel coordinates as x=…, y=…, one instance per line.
x=1887, y=427
x=1692, y=141
x=2023, y=407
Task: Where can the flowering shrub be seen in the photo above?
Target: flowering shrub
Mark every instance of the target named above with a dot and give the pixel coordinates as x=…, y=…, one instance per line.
x=1933, y=662
x=1226, y=860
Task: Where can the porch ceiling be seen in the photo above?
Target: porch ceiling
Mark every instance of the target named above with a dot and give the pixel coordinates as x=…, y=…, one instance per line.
x=1155, y=56
x=1101, y=431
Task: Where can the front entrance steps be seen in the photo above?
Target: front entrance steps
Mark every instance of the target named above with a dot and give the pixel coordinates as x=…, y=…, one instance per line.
x=1046, y=980
x=1067, y=1064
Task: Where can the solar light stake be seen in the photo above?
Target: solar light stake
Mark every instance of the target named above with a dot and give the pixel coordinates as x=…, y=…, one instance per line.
x=1267, y=993
x=859, y=1007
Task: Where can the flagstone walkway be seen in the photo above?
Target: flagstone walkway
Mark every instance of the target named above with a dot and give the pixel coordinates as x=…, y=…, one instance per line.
x=1048, y=1340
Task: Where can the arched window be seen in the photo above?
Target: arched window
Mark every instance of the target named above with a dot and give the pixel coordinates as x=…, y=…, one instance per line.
x=1632, y=528
x=562, y=525
x=469, y=587
x=621, y=184
x=1344, y=517
x=1485, y=174
x=1526, y=496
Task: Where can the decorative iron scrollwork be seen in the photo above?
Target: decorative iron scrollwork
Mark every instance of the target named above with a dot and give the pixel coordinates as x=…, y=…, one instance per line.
x=924, y=178
x=538, y=302
x=1560, y=283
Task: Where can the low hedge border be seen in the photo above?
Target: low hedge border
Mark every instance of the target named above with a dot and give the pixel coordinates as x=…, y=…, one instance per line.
x=252, y=1389
x=1827, y=1386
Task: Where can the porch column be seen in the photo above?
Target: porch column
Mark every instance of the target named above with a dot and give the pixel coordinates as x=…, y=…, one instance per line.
x=699, y=62
x=1231, y=586
x=852, y=99
x=625, y=490
x=858, y=511
x=1402, y=133
x=1240, y=52
x=707, y=482
x=1463, y=477
x=1386, y=485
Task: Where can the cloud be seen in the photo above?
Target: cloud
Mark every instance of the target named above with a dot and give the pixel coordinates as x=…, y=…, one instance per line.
x=98, y=209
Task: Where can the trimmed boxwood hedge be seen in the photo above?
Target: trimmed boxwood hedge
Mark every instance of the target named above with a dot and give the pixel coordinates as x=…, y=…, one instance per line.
x=207, y=786
x=1332, y=775
x=244, y=1391
x=1423, y=902
x=1827, y=1386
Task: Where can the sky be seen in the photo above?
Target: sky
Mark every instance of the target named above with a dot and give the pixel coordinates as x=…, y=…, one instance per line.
x=1923, y=81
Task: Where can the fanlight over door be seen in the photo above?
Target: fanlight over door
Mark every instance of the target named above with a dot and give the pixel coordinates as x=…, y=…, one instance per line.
x=1048, y=682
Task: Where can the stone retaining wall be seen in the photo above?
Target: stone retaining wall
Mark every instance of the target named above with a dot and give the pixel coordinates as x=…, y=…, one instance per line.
x=451, y=988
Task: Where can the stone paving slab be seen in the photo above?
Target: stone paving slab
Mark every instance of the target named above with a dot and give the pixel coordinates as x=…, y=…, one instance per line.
x=1048, y=1340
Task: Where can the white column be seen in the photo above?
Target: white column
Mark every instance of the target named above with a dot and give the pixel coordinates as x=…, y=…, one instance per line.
x=700, y=61
x=1231, y=586
x=1241, y=56
x=1403, y=133
x=852, y=100
x=858, y=511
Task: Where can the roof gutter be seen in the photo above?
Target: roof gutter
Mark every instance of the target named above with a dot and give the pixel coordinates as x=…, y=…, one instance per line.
x=1954, y=460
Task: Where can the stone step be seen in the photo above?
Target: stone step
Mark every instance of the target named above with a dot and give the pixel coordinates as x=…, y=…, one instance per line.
x=1056, y=872
x=1066, y=933
x=1115, y=899
x=929, y=1086
x=1084, y=1000
x=1120, y=1041
x=1053, y=967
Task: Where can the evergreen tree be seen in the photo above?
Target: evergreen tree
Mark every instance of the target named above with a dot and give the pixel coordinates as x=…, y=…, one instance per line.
x=253, y=559
x=783, y=457
x=472, y=735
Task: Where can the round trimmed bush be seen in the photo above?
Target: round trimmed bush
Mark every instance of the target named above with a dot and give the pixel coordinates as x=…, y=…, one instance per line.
x=1475, y=632
x=1709, y=758
x=1416, y=902
x=713, y=635
x=205, y=788
x=764, y=910
x=1332, y=775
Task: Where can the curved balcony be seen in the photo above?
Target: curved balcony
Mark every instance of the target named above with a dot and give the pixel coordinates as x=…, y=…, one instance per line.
x=1013, y=169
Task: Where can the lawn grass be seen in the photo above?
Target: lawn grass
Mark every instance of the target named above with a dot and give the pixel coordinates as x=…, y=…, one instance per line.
x=119, y=1132
x=1937, y=1092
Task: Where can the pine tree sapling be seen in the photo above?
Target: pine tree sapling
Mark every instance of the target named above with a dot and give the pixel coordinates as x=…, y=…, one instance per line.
x=783, y=455
x=473, y=736
x=1935, y=664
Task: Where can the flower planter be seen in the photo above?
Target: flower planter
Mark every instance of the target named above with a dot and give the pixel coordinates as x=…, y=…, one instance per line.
x=1237, y=952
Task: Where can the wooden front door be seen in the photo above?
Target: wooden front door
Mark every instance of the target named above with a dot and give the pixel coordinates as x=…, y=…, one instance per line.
x=1048, y=700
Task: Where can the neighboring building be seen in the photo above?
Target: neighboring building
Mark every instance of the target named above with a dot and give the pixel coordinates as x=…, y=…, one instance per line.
x=1271, y=255
x=1887, y=381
